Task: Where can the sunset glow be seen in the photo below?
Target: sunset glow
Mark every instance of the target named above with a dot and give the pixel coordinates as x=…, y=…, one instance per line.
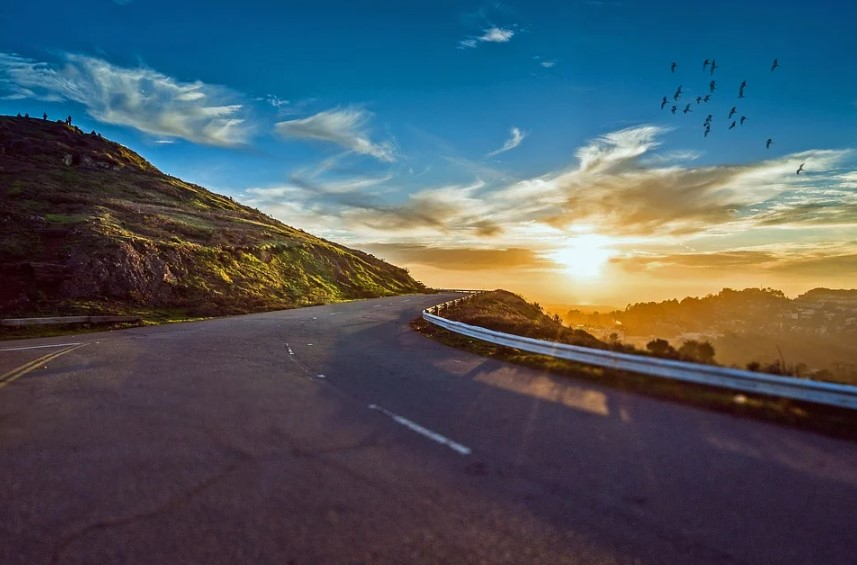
x=584, y=257
x=545, y=147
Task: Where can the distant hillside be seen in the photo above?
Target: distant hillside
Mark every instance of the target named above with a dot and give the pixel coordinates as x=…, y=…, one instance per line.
x=89, y=226
x=817, y=329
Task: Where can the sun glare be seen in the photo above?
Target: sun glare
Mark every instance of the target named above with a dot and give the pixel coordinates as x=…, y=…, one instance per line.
x=584, y=256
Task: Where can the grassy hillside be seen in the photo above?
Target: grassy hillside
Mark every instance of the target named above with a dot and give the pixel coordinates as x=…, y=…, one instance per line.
x=504, y=311
x=89, y=226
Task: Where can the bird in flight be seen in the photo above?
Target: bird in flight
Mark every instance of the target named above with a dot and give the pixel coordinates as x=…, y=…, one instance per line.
x=698, y=99
x=712, y=85
x=741, y=89
x=707, y=121
x=743, y=118
x=677, y=93
x=799, y=169
x=687, y=109
x=707, y=131
x=706, y=98
x=775, y=64
x=673, y=66
x=713, y=66
x=673, y=109
x=705, y=64
x=732, y=125
x=732, y=111
x=663, y=102
x=769, y=143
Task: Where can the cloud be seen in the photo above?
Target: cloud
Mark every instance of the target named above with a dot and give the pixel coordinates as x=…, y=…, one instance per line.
x=621, y=187
x=548, y=64
x=514, y=141
x=355, y=209
x=496, y=35
x=343, y=127
x=830, y=259
x=460, y=259
x=491, y=35
x=140, y=98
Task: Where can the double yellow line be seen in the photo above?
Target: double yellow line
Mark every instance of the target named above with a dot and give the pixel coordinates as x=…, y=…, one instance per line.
x=16, y=374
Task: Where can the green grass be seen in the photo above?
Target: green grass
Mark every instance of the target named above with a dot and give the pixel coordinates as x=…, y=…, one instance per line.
x=511, y=311
x=225, y=258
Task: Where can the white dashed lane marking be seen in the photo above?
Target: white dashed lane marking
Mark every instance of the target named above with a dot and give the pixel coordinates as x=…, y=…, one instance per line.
x=413, y=426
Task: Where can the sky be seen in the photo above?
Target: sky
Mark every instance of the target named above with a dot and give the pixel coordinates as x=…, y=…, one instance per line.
x=518, y=145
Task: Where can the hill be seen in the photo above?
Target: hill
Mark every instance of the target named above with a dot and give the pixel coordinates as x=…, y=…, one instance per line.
x=813, y=333
x=505, y=311
x=88, y=226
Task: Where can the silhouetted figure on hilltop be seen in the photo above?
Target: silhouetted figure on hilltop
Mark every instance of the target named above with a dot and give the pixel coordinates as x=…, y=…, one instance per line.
x=27, y=115
x=68, y=121
x=45, y=116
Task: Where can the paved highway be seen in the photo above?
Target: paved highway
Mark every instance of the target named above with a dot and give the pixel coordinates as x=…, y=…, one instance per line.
x=336, y=434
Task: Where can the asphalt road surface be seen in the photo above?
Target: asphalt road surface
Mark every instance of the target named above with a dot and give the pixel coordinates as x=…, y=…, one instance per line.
x=336, y=434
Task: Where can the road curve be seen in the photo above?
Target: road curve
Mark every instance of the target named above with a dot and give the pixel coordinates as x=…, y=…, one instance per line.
x=335, y=434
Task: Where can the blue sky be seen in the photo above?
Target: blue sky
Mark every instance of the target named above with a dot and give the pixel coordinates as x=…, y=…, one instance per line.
x=516, y=144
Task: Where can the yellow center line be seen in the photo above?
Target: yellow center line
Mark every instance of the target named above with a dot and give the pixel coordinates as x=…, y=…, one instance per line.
x=16, y=374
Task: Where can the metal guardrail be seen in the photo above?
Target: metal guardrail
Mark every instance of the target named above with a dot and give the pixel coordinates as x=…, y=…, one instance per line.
x=19, y=322
x=831, y=394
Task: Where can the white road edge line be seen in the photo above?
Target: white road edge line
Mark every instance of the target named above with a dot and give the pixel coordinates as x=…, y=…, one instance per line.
x=413, y=426
x=40, y=346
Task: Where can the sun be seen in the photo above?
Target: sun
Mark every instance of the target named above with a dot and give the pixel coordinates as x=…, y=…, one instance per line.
x=584, y=256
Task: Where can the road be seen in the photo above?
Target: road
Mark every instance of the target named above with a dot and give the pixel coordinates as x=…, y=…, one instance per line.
x=336, y=434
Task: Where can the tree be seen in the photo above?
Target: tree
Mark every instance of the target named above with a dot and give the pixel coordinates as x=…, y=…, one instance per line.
x=703, y=352
x=661, y=348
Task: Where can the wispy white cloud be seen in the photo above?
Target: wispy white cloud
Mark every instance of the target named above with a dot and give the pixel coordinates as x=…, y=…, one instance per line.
x=276, y=101
x=497, y=35
x=140, y=98
x=517, y=136
x=548, y=64
x=344, y=127
x=491, y=35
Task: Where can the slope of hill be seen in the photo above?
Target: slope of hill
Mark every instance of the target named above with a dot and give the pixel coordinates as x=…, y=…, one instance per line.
x=507, y=312
x=89, y=226
x=814, y=332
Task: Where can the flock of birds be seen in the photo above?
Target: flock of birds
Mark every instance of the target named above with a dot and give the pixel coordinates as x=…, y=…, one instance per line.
x=710, y=65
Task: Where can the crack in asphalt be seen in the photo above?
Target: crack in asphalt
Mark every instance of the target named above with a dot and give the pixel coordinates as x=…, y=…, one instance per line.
x=119, y=521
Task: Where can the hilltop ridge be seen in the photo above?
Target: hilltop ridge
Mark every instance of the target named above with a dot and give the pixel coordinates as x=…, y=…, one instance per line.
x=90, y=226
